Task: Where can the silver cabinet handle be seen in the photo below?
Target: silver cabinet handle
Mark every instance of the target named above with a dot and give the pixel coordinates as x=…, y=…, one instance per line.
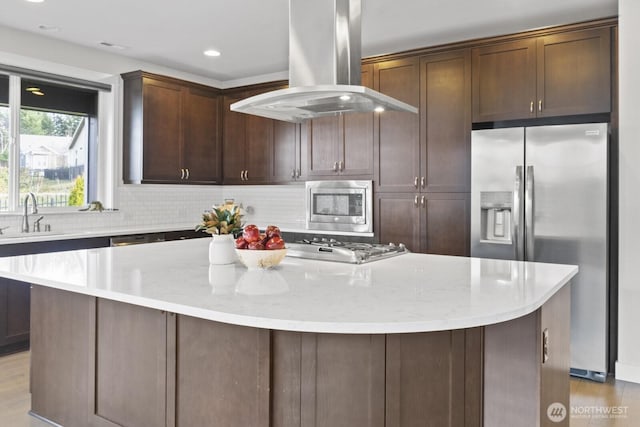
x=415, y=201
x=516, y=229
x=181, y=173
x=293, y=173
x=246, y=174
x=423, y=182
x=187, y=176
x=415, y=182
x=340, y=165
x=298, y=173
x=529, y=211
x=242, y=178
x=335, y=166
x=540, y=105
x=423, y=201
x=531, y=107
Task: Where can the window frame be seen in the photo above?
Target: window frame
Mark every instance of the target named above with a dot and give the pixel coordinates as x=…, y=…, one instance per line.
x=102, y=157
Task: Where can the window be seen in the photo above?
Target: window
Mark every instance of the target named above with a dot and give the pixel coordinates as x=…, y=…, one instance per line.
x=55, y=143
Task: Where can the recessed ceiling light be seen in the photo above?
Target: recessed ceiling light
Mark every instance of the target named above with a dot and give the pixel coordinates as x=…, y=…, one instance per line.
x=51, y=28
x=378, y=109
x=35, y=1
x=32, y=89
x=37, y=92
x=112, y=46
x=211, y=52
x=345, y=97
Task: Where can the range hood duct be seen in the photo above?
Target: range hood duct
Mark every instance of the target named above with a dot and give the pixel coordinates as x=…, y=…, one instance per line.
x=324, y=67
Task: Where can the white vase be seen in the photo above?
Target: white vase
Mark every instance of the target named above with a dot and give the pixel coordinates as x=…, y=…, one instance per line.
x=222, y=249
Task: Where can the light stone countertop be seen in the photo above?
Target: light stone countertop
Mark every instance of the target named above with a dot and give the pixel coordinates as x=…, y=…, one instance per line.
x=407, y=293
x=12, y=237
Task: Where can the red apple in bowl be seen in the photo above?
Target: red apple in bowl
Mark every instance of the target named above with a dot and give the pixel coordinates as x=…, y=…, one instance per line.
x=275, y=242
x=251, y=233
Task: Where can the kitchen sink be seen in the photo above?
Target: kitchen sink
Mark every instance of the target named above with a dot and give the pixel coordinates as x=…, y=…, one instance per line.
x=19, y=235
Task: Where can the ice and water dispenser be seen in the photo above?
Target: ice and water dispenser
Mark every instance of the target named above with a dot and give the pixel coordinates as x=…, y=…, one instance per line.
x=496, y=209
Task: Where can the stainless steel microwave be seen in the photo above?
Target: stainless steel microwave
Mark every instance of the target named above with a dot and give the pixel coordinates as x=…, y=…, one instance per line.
x=340, y=206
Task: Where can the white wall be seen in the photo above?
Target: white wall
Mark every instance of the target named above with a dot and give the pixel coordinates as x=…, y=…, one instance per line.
x=145, y=205
x=628, y=365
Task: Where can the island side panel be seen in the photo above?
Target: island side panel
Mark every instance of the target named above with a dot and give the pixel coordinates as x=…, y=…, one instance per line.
x=518, y=385
x=129, y=370
x=286, y=378
x=60, y=352
x=222, y=374
x=432, y=379
x=342, y=380
x=555, y=317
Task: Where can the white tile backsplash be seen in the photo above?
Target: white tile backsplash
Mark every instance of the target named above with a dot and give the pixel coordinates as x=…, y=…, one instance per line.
x=181, y=206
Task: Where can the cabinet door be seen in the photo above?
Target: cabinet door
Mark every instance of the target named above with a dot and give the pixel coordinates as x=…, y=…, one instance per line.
x=286, y=151
x=200, y=149
x=233, y=143
x=504, y=81
x=357, y=148
x=14, y=315
x=258, y=149
x=434, y=379
x=162, y=110
x=574, y=73
x=397, y=144
x=445, y=225
x=61, y=349
x=342, y=380
x=446, y=122
x=397, y=219
x=324, y=142
x=223, y=374
x=129, y=373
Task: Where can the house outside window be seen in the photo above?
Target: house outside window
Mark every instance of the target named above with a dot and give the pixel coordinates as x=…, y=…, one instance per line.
x=53, y=146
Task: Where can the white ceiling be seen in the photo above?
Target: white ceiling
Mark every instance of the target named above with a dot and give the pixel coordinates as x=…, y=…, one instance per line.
x=253, y=34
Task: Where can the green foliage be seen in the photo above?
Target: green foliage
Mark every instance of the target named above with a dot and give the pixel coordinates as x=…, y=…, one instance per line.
x=225, y=219
x=76, y=197
x=34, y=122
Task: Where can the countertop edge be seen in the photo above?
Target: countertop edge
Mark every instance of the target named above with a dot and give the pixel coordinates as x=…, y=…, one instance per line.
x=311, y=326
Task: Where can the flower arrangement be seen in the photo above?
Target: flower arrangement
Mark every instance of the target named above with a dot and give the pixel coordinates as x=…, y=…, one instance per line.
x=224, y=219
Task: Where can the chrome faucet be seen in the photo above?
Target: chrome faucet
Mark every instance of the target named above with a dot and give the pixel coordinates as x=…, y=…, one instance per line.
x=34, y=210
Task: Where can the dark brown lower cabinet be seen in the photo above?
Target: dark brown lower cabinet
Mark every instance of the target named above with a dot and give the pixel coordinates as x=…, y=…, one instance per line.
x=433, y=223
x=14, y=315
x=128, y=373
x=60, y=351
x=222, y=374
x=103, y=363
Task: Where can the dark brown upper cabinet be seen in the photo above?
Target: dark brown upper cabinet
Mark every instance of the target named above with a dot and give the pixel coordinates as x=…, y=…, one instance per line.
x=246, y=146
x=341, y=145
x=257, y=150
x=170, y=131
x=423, y=161
x=397, y=136
x=445, y=122
x=560, y=74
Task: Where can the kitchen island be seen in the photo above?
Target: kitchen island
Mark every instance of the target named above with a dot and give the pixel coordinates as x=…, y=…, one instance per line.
x=152, y=335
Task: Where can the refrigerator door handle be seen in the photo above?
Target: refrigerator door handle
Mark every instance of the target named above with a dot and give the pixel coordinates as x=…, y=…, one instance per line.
x=516, y=227
x=529, y=210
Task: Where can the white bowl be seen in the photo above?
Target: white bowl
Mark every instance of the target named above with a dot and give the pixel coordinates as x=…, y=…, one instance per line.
x=261, y=258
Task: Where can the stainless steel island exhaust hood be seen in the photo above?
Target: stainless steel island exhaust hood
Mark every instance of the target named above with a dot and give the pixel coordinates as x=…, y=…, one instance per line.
x=324, y=67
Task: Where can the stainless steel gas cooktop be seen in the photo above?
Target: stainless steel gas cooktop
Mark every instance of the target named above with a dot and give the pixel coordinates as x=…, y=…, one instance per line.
x=350, y=252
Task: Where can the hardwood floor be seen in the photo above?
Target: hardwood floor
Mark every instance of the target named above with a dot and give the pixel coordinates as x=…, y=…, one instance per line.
x=592, y=404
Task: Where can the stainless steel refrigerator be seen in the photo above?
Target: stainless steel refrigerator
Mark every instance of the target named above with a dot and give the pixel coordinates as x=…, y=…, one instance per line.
x=540, y=194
